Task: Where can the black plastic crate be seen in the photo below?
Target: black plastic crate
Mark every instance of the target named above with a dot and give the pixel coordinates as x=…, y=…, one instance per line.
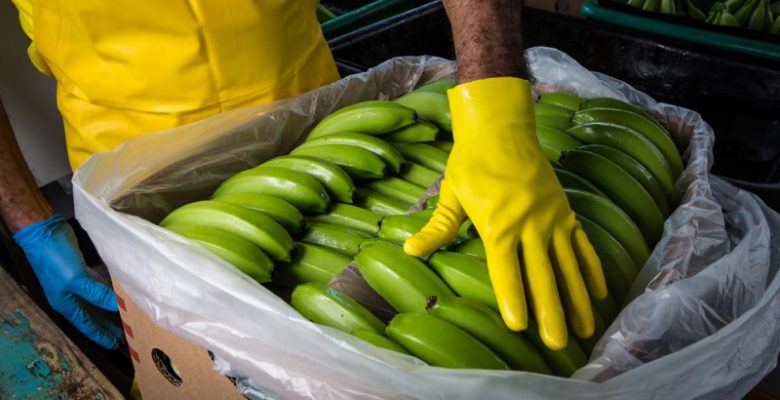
x=738, y=95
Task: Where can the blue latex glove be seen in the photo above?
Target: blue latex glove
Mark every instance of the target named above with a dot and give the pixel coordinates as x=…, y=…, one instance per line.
x=52, y=250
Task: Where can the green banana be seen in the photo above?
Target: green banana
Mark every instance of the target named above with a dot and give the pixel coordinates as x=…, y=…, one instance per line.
x=487, y=326
x=440, y=343
x=587, y=344
x=606, y=308
x=608, y=102
x=420, y=131
x=425, y=155
x=692, y=11
x=232, y=248
x=471, y=247
x=667, y=7
x=398, y=228
x=650, y=6
x=712, y=17
x=562, y=362
x=744, y=12
x=443, y=145
x=398, y=189
x=614, y=220
x=635, y=3
x=726, y=19
x=372, y=117
x=425, y=215
x=561, y=99
x=379, y=340
x=774, y=7
x=431, y=105
x=431, y=202
x=324, y=14
x=553, y=121
x=554, y=142
x=636, y=170
x=775, y=28
x=466, y=275
x=311, y=264
x=552, y=110
x=731, y=5
x=570, y=180
x=335, y=237
x=758, y=18
x=618, y=268
x=352, y=217
x=327, y=306
x=296, y=188
x=649, y=128
x=467, y=230
x=402, y=280
x=419, y=175
x=381, y=204
x=331, y=176
x=279, y=210
x=358, y=162
x=622, y=189
x=381, y=148
x=630, y=142
x=440, y=86
x=248, y=224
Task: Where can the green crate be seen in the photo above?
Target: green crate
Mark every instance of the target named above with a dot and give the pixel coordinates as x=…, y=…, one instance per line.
x=365, y=15
x=756, y=47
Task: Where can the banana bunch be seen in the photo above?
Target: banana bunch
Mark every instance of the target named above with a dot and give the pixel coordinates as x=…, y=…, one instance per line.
x=757, y=15
x=683, y=8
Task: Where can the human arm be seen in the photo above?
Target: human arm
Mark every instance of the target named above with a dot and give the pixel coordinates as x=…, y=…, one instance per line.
x=497, y=175
x=50, y=244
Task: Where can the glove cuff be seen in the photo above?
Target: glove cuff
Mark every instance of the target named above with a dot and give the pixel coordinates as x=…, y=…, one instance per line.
x=38, y=231
x=504, y=102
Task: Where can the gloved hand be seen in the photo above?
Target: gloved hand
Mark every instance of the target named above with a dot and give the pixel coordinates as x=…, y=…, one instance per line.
x=499, y=177
x=53, y=253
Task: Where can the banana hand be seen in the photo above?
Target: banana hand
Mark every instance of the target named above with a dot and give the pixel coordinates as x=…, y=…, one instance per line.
x=498, y=175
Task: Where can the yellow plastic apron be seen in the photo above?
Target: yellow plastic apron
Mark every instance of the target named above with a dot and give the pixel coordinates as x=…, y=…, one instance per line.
x=125, y=68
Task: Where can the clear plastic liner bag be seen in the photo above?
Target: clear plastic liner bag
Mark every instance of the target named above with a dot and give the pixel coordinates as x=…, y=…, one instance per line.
x=703, y=319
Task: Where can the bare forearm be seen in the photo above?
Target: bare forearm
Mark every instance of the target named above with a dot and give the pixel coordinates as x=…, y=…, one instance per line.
x=487, y=38
x=21, y=203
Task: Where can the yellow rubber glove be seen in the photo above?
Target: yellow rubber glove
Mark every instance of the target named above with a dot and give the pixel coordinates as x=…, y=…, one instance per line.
x=499, y=177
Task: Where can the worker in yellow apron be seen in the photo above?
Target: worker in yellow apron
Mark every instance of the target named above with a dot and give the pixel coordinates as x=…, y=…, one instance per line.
x=126, y=68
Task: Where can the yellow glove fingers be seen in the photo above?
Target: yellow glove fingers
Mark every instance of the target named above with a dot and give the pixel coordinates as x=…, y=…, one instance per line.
x=573, y=292
x=441, y=229
x=507, y=280
x=544, y=292
x=590, y=264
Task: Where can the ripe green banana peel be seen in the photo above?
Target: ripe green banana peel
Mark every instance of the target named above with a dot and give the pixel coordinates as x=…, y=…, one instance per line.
x=311, y=264
x=296, y=188
x=440, y=343
x=639, y=123
x=279, y=210
x=335, y=237
x=371, y=117
x=351, y=217
x=609, y=216
x=232, y=248
x=466, y=275
x=402, y=280
x=327, y=306
x=337, y=182
x=379, y=340
x=487, y=326
x=621, y=188
x=379, y=147
x=431, y=105
x=358, y=162
x=262, y=231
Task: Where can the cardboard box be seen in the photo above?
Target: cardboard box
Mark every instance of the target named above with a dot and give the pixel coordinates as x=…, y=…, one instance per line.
x=168, y=366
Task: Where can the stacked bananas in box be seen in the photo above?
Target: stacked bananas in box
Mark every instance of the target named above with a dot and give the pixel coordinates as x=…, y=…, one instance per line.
x=757, y=15
x=299, y=220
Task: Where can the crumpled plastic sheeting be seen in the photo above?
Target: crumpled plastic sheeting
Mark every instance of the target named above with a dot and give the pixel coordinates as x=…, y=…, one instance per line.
x=703, y=322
